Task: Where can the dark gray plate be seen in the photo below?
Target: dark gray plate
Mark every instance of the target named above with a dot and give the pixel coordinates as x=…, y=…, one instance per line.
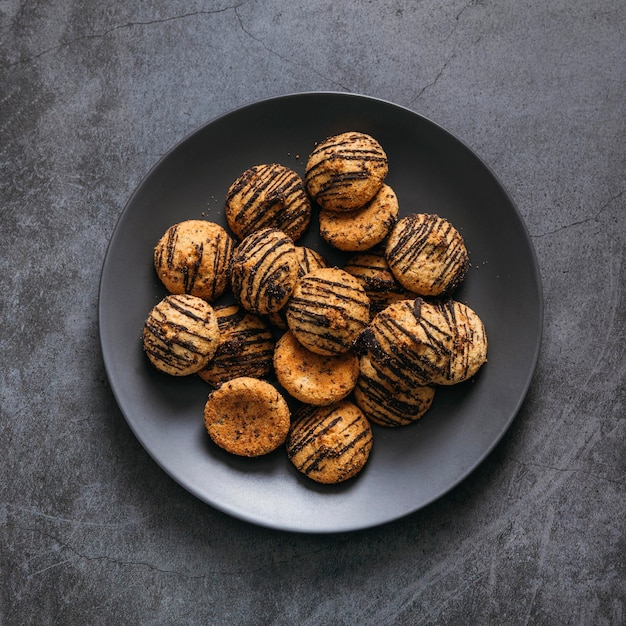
x=431, y=171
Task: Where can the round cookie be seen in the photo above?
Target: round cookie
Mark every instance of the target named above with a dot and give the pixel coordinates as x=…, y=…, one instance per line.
x=181, y=334
x=327, y=311
x=409, y=343
x=363, y=228
x=380, y=285
x=469, y=346
x=389, y=404
x=264, y=271
x=427, y=254
x=245, y=348
x=194, y=257
x=268, y=196
x=314, y=378
x=247, y=417
x=330, y=444
x=345, y=171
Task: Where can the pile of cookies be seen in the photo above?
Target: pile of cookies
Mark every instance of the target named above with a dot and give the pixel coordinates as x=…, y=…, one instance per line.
x=309, y=356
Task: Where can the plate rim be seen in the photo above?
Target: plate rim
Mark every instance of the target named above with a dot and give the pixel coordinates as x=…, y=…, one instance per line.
x=534, y=265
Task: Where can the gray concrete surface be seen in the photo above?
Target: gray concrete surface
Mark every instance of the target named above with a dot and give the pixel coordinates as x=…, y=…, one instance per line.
x=91, y=95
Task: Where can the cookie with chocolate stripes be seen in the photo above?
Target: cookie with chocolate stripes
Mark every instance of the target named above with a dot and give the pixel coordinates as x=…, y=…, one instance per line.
x=330, y=444
x=264, y=271
x=328, y=310
x=194, y=257
x=246, y=347
x=181, y=334
x=426, y=254
x=345, y=171
x=268, y=196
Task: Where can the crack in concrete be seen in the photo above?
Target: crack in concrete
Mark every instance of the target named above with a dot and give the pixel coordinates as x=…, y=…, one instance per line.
x=586, y=220
x=280, y=56
x=109, y=31
x=573, y=470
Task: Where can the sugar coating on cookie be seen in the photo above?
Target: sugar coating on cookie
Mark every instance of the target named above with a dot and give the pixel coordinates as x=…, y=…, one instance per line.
x=181, y=334
x=363, y=228
x=385, y=402
x=330, y=444
x=328, y=310
x=314, y=378
x=194, y=257
x=380, y=285
x=427, y=254
x=246, y=347
x=247, y=417
x=264, y=271
x=345, y=171
x=268, y=196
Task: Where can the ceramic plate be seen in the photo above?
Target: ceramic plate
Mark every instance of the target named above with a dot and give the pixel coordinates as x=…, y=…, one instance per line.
x=430, y=171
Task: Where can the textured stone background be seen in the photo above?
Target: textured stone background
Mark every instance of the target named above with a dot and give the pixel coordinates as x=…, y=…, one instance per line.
x=91, y=95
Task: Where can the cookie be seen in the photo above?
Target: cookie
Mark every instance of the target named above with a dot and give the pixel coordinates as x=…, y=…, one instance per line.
x=362, y=228
x=181, y=334
x=327, y=311
x=264, y=271
x=388, y=404
x=194, y=257
x=246, y=347
x=268, y=196
x=308, y=260
x=427, y=254
x=345, y=171
x=469, y=345
x=247, y=417
x=380, y=285
x=314, y=378
x=330, y=444
x=409, y=343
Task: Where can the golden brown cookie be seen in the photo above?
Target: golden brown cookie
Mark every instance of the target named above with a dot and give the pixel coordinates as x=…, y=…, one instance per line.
x=363, y=228
x=409, y=343
x=330, y=444
x=264, y=271
x=268, y=196
x=390, y=404
x=245, y=348
x=194, y=257
x=469, y=346
x=345, y=171
x=314, y=378
x=181, y=334
x=327, y=311
x=427, y=254
x=247, y=417
x=380, y=285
